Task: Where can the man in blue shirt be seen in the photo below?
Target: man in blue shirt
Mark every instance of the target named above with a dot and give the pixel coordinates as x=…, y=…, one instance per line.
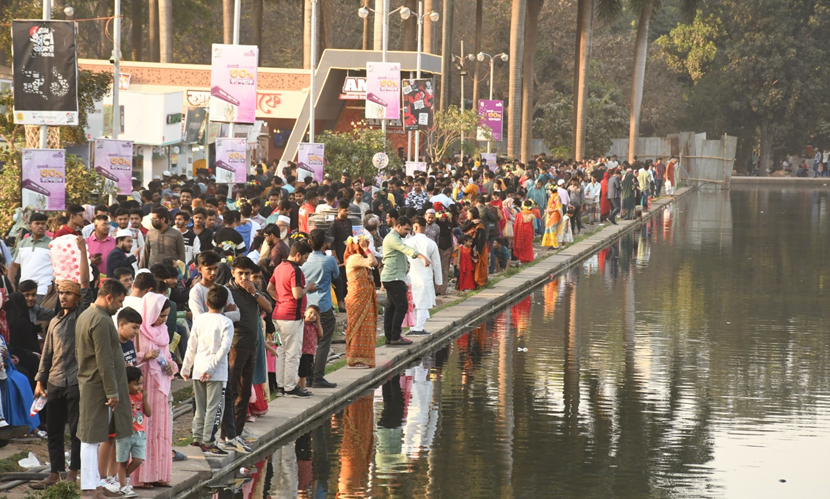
x=321, y=269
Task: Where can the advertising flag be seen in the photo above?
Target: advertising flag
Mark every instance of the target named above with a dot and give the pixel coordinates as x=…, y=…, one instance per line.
x=231, y=161
x=418, y=99
x=233, y=76
x=44, y=179
x=45, y=73
x=490, y=115
x=311, y=161
x=114, y=161
x=383, y=90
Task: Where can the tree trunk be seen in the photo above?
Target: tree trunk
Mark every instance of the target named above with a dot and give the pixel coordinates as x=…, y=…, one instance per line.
x=638, y=80
x=766, y=147
x=365, y=3
x=324, y=17
x=258, y=13
x=137, y=30
x=429, y=28
x=517, y=25
x=105, y=43
x=307, y=34
x=227, y=22
x=154, y=30
x=476, y=50
x=446, y=52
x=584, y=35
x=166, y=30
x=410, y=27
x=534, y=7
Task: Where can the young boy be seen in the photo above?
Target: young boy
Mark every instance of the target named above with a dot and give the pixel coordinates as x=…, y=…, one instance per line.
x=207, y=356
x=136, y=444
x=312, y=330
x=129, y=323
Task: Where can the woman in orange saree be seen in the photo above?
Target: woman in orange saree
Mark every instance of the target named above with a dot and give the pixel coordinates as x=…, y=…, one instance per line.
x=553, y=227
x=362, y=304
x=480, y=244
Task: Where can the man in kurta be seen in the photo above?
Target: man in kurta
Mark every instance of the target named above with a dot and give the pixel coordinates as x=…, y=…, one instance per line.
x=424, y=279
x=102, y=381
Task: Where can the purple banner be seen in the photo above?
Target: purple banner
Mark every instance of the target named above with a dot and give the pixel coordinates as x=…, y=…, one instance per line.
x=231, y=161
x=114, y=161
x=490, y=115
x=44, y=179
x=383, y=90
x=311, y=161
x=233, y=75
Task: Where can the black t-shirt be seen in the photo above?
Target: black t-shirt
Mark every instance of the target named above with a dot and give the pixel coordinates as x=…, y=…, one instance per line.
x=129, y=352
x=228, y=239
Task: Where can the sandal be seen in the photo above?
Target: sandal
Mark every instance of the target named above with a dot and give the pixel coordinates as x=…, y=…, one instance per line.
x=359, y=366
x=43, y=484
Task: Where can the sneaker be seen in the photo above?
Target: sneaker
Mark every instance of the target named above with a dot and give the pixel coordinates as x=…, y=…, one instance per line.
x=111, y=483
x=249, y=436
x=298, y=392
x=109, y=493
x=128, y=491
x=213, y=450
x=3, y=423
x=244, y=444
x=419, y=333
x=235, y=445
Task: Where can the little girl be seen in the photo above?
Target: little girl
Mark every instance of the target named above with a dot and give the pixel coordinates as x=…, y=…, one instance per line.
x=312, y=330
x=465, y=263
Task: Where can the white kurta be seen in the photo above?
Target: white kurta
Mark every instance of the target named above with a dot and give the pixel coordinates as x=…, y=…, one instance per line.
x=424, y=279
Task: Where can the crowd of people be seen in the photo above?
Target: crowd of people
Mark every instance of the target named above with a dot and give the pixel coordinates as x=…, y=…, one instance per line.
x=238, y=287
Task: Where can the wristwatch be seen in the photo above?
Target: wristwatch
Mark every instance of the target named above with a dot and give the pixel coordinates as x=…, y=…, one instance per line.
x=256, y=295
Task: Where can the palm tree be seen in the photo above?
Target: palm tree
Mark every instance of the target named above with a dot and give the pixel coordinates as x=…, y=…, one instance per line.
x=446, y=51
x=227, y=21
x=514, y=88
x=477, y=49
x=257, y=29
x=166, y=30
x=534, y=8
x=584, y=38
x=410, y=27
x=365, y=3
x=307, y=34
x=429, y=29
x=136, y=30
x=153, y=31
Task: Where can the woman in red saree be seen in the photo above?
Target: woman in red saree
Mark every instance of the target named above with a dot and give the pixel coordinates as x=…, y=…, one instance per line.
x=523, y=231
x=362, y=304
x=465, y=262
x=604, y=204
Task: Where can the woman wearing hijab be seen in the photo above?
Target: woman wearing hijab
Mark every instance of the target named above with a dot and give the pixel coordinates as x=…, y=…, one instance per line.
x=628, y=195
x=22, y=338
x=15, y=393
x=156, y=364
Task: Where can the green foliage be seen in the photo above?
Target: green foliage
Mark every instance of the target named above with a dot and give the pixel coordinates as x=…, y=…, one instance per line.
x=353, y=151
x=61, y=490
x=448, y=127
x=691, y=48
x=607, y=119
x=9, y=464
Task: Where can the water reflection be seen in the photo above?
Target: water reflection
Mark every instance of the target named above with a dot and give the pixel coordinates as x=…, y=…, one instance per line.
x=689, y=359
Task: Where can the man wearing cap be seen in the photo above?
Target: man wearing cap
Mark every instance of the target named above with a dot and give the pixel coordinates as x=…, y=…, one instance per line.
x=57, y=377
x=321, y=269
x=423, y=278
x=122, y=255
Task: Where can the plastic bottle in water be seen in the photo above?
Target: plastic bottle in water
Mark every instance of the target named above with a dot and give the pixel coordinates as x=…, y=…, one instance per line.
x=37, y=405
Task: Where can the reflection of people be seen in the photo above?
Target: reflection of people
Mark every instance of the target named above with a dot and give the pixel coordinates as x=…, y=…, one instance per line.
x=356, y=447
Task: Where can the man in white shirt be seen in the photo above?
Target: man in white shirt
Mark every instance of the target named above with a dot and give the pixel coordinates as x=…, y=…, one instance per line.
x=424, y=279
x=33, y=257
x=592, y=192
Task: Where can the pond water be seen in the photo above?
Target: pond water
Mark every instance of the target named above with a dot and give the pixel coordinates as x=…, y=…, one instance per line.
x=689, y=359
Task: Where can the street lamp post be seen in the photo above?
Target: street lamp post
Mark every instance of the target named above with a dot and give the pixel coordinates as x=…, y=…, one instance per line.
x=481, y=56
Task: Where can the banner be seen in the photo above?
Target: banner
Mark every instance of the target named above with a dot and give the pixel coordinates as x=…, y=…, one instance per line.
x=383, y=90
x=311, y=160
x=45, y=73
x=233, y=75
x=231, y=161
x=417, y=104
x=44, y=179
x=113, y=160
x=490, y=157
x=194, y=124
x=490, y=115
x=413, y=166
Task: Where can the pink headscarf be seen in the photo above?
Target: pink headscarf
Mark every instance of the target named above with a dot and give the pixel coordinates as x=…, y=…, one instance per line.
x=151, y=307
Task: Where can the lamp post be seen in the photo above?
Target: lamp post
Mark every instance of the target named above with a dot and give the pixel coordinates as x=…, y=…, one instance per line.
x=363, y=13
x=481, y=56
x=312, y=86
x=116, y=70
x=434, y=17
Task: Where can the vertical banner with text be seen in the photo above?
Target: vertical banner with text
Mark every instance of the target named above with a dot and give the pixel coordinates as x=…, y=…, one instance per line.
x=231, y=161
x=113, y=160
x=45, y=73
x=490, y=115
x=311, y=161
x=44, y=179
x=418, y=99
x=233, y=76
x=383, y=90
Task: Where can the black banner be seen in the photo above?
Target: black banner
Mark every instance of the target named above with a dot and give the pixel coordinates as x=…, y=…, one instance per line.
x=417, y=104
x=194, y=125
x=45, y=72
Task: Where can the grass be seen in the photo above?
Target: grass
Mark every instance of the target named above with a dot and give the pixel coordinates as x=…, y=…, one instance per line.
x=9, y=464
x=184, y=441
x=182, y=395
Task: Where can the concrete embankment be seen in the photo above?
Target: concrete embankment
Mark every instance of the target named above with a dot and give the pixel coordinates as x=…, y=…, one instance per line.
x=288, y=415
x=781, y=182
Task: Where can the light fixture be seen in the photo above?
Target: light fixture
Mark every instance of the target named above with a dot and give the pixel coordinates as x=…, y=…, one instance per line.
x=434, y=16
x=363, y=12
x=480, y=57
x=405, y=13
x=69, y=11
x=504, y=57
x=471, y=57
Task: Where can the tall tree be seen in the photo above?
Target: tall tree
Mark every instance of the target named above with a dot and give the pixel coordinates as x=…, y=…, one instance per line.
x=476, y=49
x=166, y=30
x=137, y=30
x=582, y=60
x=429, y=29
x=257, y=28
x=366, y=29
x=227, y=21
x=410, y=27
x=534, y=8
x=514, y=89
x=307, y=29
x=446, y=51
x=153, y=31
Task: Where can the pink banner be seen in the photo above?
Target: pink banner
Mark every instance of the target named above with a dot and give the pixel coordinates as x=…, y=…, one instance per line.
x=311, y=161
x=383, y=90
x=114, y=161
x=233, y=75
x=231, y=161
x=44, y=179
